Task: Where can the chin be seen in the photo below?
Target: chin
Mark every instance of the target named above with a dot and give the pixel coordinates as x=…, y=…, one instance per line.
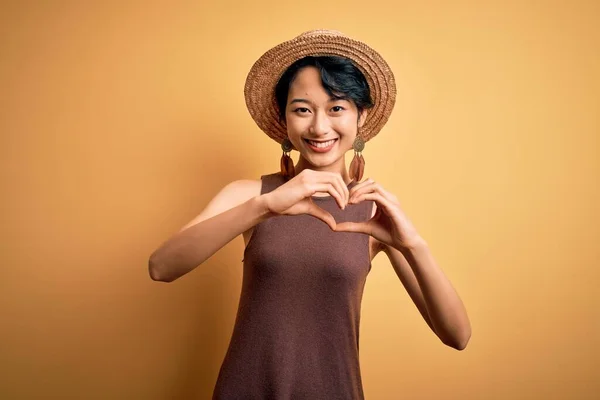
x=322, y=160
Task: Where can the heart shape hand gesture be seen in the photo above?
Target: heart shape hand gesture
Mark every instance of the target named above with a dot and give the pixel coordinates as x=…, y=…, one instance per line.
x=389, y=225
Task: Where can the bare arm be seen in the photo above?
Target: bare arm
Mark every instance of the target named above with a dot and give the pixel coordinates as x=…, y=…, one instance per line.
x=235, y=209
x=409, y=281
x=238, y=207
x=432, y=293
x=424, y=280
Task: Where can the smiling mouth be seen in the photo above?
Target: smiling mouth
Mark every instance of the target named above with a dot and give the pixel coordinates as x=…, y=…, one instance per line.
x=321, y=144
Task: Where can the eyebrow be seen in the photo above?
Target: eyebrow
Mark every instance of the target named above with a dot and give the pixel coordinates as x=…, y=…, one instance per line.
x=331, y=99
x=300, y=101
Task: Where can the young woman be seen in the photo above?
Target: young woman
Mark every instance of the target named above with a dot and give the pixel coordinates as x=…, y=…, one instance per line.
x=311, y=230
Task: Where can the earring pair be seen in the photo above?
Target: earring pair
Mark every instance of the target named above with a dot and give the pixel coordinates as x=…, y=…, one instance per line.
x=357, y=166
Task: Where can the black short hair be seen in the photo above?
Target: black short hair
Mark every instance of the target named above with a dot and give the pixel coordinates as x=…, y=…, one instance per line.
x=340, y=78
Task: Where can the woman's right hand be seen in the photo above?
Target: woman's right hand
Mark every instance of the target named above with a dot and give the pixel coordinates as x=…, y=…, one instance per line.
x=294, y=196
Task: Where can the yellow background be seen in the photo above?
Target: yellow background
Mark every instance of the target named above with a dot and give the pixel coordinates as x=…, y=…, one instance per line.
x=120, y=120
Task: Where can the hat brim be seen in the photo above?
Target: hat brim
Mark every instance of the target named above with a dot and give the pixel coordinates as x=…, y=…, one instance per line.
x=259, y=90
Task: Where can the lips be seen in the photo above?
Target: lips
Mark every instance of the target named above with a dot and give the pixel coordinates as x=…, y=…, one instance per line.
x=321, y=146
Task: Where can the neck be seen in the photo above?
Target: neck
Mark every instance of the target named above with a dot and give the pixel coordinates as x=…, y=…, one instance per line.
x=338, y=167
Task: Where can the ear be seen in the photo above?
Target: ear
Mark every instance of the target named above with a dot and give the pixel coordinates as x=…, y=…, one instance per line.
x=282, y=121
x=362, y=118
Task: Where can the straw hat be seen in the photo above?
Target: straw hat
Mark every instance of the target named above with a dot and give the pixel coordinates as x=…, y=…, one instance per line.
x=259, y=89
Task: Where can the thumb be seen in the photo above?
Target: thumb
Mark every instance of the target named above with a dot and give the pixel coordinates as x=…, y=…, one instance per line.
x=352, y=227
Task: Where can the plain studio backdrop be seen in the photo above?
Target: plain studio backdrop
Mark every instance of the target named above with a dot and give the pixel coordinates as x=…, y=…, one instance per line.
x=120, y=120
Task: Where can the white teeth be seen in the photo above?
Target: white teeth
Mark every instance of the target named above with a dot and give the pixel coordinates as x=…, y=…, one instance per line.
x=322, y=145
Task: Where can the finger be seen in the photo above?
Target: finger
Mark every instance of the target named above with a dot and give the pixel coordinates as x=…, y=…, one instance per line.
x=323, y=215
x=361, y=185
x=387, y=195
x=361, y=227
x=343, y=187
x=369, y=188
x=363, y=190
x=328, y=188
x=373, y=187
x=338, y=182
x=378, y=198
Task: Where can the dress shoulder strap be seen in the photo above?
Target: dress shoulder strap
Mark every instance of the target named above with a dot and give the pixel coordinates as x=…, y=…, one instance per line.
x=271, y=182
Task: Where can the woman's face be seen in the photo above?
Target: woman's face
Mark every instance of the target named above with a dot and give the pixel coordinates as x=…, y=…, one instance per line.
x=321, y=128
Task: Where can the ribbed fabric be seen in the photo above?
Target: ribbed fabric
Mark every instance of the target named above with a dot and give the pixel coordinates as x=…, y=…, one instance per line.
x=296, y=332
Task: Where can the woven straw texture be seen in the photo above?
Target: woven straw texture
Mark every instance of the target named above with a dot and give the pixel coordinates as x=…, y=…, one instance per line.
x=259, y=90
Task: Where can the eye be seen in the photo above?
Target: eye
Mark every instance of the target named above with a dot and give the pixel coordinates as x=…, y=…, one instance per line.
x=301, y=110
x=337, y=108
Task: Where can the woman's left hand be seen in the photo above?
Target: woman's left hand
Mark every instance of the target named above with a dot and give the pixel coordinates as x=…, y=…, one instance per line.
x=389, y=225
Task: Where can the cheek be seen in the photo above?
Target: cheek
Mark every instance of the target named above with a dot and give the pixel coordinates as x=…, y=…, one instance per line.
x=346, y=125
x=295, y=130
x=295, y=124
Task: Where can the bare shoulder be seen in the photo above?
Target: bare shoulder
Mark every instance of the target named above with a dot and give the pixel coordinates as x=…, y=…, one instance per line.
x=234, y=194
x=230, y=196
x=246, y=188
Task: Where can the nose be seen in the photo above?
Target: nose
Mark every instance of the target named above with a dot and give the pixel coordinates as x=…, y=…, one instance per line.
x=320, y=125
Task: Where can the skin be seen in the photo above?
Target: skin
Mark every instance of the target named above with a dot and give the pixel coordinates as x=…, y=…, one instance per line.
x=312, y=114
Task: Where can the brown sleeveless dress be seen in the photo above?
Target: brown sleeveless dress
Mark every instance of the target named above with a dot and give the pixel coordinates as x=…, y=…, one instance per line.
x=296, y=332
